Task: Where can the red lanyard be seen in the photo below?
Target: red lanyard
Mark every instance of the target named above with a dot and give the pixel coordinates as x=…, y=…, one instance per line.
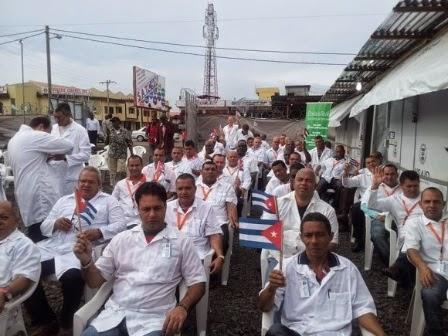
x=131, y=194
x=205, y=193
x=441, y=239
x=158, y=172
x=387, y=193
x=181, y=219
x=408, y=211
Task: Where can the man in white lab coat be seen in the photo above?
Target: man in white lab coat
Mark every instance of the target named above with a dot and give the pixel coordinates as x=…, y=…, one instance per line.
x=68, y=167
x=36, y=185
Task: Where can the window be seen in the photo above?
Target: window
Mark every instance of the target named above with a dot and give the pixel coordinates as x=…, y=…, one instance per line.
x=13, y=101
x=131, y=110
x=1, y=108
x=105, y=109
x=111, y=109
x=119, y=109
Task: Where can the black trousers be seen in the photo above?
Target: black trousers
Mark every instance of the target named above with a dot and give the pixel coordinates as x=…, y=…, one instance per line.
x=93, y=137
x=72, y=290
x=34, y=233
x=323, y=186
x=278, y=329
x=359, y=223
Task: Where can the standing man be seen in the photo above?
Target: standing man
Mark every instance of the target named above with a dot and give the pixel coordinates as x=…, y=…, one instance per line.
x=243, y=133
x=36, y=185
x=230, y=133
x=119, y=141
x=178, y=165
x=125, y=189
x=318, y=292
x=154, y=133
x=427, y=249
x=191, y=157
x=319, y=153
x=301, y=149
x=93, y=128
x=106, y=125
x=167, y=135
x=146, y=263
x=68, y=167
x=273, y=152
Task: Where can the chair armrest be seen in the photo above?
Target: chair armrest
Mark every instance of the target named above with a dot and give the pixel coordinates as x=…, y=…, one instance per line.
x=388, y=222
x=17, y=301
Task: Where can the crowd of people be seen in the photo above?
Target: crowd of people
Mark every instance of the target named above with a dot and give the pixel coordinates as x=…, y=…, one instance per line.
x=162, y=218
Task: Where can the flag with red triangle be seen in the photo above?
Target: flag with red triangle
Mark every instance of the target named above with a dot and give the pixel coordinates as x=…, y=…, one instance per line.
x=261, y=233
x=265, y=201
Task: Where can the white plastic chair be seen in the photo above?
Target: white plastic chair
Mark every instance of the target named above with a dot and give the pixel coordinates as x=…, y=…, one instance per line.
x=96, y=161
x=393, y=253
x=418, y=317
x=13, y=313
x=8, y=177
x=139, y=150
x=226, y=267
x=368, y=249
x=202, y=305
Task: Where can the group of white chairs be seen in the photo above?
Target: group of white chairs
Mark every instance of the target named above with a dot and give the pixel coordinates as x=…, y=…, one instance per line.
x=6, y=177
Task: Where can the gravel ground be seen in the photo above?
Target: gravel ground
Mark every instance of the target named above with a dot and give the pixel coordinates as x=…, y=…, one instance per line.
x=233, y=308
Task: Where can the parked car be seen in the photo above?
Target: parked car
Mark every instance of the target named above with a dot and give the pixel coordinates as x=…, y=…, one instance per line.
x=140, y=135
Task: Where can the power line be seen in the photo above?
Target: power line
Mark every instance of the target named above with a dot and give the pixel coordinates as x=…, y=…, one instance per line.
x=204, y=47
x=22, y=38
x=202, y=55
x=188, y=20
x=22, y=33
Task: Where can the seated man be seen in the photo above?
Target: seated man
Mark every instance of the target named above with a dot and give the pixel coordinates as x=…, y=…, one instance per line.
x=178, y=165
x=125, y=189
x=280, y=176
x=284, y=189
x=208, y=151
x=196, y=219
x=19, y=257
x=332, y=170
x=158, y=171
x=318, y=292
x=191, y=157
x=101, y=220
x=146, y=263
x=427, y=249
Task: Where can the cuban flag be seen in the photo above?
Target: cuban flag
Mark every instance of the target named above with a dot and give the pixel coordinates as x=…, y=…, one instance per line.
x=265, y=201
x=353, y=162
x=261, y=233
x=84, y=209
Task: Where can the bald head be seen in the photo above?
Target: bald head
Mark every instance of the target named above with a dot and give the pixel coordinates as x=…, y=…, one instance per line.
x=8, y=219
x=305, y=184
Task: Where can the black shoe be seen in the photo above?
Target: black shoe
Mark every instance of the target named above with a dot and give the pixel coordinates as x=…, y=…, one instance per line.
x=357, y=247
x=393, y=272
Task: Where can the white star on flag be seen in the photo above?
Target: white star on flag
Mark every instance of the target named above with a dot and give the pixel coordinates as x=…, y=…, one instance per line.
x=273, y=234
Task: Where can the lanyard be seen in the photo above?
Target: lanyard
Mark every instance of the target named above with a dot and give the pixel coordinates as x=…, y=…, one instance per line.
x=233, y=173
x=205, y=193
x=131, y=194
x=335, y=164
x=391, y=193
x=181, y=219
x=408, y=211
x=441, y=238
x=158, y=172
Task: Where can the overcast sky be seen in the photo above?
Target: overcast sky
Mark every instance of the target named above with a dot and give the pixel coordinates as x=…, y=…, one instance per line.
x=296, y=25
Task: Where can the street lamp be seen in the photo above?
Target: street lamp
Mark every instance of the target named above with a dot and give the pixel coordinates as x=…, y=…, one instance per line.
x=47, y=40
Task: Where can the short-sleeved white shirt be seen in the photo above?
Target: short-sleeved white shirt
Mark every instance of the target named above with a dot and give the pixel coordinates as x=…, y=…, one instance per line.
x=315, y=160
x=419, y=236
x=242, y=174
x=258, y=154
x=331, y=305
x=19, y=256
x=145, y=278
x=273, y=183
x=230, y=135
x=250, y=163
x=180, y=167
x=167, y=178
x=282, y=190
x=199, y=224
x=272, y=155
x=195, y=163
x=217, y=195
x=332, y=168
x=124, y=192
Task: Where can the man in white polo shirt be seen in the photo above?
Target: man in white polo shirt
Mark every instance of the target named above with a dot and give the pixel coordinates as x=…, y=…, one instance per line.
x=427, y=248
x=146, y=264
x=125, y=189
x=332, y=170
x=280, y=176
x=319, y=153
x=157, y=171
x=318, y=293
x=230, y=133
x=178, y=165
x=196, y=219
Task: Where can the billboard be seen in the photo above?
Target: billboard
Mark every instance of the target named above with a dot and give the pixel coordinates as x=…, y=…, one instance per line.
x=149, y=89
x=316, y=121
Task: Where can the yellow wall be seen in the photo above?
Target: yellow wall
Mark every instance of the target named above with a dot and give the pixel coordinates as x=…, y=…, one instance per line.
x=265, y=93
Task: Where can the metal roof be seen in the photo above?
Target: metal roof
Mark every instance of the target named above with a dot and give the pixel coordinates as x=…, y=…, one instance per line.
x=410, y=23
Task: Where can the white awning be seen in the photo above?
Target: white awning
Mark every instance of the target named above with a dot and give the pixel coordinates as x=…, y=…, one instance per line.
x=425, y=71
x=340, y=111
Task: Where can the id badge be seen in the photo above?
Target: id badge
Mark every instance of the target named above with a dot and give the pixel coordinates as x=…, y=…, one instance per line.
x=304, y=289
x=166, y=250
x=443, y=266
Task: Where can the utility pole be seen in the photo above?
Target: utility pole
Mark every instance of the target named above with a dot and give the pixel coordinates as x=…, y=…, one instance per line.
x=107, y=83
x=23, y=80
x=47, y=40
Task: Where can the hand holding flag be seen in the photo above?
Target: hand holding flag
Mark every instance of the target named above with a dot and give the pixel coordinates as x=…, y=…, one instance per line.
x=265, y=201
x=84, y=210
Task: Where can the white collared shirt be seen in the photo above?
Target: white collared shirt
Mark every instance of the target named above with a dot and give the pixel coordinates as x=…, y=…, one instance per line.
x=199, y=223
x=272, y=155
x=167, y=178
x=420, y=237
x=326, y=308
x=290, y=216
x=315, y=160
x=179, y=167
x=396, y=204
x=19, y=256
x=241, y=136
x=258, y=154
x=302, y=155
x=242, y=174
x=218, y=195
x=145, y=278
x=195, y=163
x=93, y=125
x=282, y=190
x=124, y=192
x=273, y=183
x=108, y=219
x=332, y=169
x=362, y=182
x=230, y=135
x=250, y=163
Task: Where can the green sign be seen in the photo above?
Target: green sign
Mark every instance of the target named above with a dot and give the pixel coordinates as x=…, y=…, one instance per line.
x=316, y=121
